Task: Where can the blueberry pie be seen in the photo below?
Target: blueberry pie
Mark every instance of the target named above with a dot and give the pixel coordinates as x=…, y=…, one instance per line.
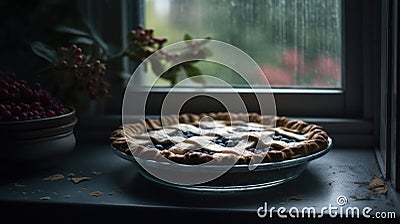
x=224, y=137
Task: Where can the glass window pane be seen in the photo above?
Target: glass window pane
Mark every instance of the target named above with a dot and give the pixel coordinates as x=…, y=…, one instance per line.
x=297, y=43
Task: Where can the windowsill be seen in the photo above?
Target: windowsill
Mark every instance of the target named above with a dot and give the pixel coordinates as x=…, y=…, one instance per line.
x=126, y=194
x=298, y=102
x=323, y=91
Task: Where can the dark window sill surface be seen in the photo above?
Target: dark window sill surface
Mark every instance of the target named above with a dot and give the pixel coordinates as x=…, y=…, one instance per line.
x=341, y=172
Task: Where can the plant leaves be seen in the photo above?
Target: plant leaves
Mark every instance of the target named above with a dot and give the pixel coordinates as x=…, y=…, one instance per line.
x=156, y=66
x=207, y=52
x=44, y=51
x=113, y=50
x=96, y=37
x=81, y=40
x=171, y=73
x=193, y=72
x=187, y=37
x=70, y=30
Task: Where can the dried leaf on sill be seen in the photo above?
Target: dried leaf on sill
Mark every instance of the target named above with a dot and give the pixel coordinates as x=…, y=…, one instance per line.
x=293, y=198
x=96, y=193
x=378, y=186
x=45, y=198
x=80, y=179
x=54, y=177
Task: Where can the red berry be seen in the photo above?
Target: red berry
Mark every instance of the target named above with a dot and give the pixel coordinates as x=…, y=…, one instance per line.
x=79, y=59
x=4, y=94
x=35, y=105
x=45, y=98
x=149, y=31
x=13, y=89
x=27, y=93
x=78, y=51
x=16, y=110
x=2, y=108
x=20, y=102
x=64, y=64
x=6, y=114
x=142, y=33
x=25, y=107
x=74, y=67
x=73, y=47
x=50, y=113
x=23, y=116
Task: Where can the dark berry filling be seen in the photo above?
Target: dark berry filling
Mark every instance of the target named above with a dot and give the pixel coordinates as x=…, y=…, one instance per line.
x=190, y=134
x=261, y=150
x=225, y=142
x=200, y=150
x=246, y=130
x=160, y=146
x=282, y=138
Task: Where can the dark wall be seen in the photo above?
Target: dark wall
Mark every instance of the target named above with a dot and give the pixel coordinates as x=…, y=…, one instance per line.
x=22, y=22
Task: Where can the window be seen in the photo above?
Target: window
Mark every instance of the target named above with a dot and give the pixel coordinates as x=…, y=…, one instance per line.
x=296, y=43
x=304, y=97
x=354, y=61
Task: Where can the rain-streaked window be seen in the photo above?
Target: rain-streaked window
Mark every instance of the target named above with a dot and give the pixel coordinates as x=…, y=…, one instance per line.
x=297, y=43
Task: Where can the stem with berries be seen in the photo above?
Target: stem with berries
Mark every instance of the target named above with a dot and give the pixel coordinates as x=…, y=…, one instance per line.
x=87, y=76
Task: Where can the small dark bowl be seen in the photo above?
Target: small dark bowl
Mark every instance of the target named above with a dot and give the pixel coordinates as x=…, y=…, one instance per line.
x=36, y=144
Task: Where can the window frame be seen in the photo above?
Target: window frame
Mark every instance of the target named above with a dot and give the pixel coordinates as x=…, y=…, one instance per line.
x=346, y=113
x=351, y=105
x=355, y=116
x=348, y=101
x=387, y=150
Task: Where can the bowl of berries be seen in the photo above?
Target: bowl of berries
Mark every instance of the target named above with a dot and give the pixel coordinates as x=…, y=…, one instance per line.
x=36, y=129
